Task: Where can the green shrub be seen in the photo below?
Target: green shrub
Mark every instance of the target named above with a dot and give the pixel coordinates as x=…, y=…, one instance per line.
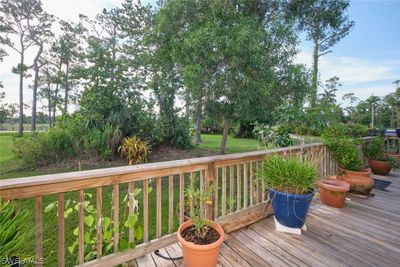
x=291, y=175
x=375, y=149
x=135, y=150
x=181, y=138
x=340, y=141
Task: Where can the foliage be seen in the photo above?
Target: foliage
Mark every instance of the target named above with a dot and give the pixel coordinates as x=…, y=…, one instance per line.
x=135, y=150
x=341, y=141
x=376, y=149
x=196, y=200
x=68, y=140
x=291, y=175
x=130, y=220
x=272, y=137
x=13, y=231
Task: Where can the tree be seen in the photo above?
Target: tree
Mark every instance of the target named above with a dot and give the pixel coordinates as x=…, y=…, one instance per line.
x=15, y=24
x=326, y=23
x=328, y=96
x=39, y=33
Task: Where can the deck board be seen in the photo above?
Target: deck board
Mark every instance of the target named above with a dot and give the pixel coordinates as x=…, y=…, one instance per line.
x=366, y=232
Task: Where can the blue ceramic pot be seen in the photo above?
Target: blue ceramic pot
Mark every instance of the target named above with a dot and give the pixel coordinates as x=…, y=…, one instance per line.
x=290, y=209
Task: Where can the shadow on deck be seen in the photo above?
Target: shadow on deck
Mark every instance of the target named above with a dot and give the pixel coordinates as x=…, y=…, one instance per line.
x=366, y=232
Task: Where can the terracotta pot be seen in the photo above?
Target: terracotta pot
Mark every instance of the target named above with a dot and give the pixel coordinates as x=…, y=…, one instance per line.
x=360, y=182
x=200, y=255
x=332, y=192
x=379, y=167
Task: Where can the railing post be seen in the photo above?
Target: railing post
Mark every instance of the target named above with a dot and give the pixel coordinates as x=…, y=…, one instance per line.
x=209, y=183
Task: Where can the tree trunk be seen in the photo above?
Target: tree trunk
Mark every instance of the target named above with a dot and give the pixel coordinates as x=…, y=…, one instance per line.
x=314, y=81
x=21, y=96
x=49, y=105
x=66, y=91
x=35, y=86
x=227, y=125
x=197, y=135
x=55, y=103
x=372, y=117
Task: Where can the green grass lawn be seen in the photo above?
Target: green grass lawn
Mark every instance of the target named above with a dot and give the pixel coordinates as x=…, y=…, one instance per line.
x=6, y=148
x=234, y=145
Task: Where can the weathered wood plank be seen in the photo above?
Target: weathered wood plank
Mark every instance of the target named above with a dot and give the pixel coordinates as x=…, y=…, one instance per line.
x=231, y=188
x=38, y=231
x=170, y=204
x=116, y=216
x=61, y=235
x=158, y=207
x=131, y=197
x=223, y=194
x=238, y=188
x=81, y=232
x=99, y=232
x=245, y=185
x=181, y=198
x=145, y=211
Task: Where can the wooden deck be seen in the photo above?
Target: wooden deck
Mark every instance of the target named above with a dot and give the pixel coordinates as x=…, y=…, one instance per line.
x=364, y=233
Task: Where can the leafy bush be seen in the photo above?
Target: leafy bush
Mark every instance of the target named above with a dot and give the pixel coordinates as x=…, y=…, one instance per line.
x=340, y=141
x=13, y=231
x=182, y=138
x=375, y=149
x=291, y=175
x=272, y=136
x=135, y=150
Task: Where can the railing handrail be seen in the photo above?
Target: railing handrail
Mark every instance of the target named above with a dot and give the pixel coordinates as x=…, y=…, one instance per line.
x=116, y=171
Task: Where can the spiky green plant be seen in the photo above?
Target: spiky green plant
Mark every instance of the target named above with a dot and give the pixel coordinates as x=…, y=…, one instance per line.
x=135, y=150
x=288, y=174
x=14, y=234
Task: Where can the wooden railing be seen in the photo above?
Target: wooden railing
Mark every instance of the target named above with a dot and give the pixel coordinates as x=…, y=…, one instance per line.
x=238, y=199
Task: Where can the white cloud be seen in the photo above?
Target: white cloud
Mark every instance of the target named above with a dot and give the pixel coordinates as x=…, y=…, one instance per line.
x=360, y=76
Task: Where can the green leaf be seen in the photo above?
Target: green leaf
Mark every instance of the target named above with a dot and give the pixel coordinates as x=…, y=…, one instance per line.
x=123, y=244
x=71, y=249
x=137, y=191
x=131, y=221
x=50, y=207
x=89, y=220
x=106, y=223
x=149, y=189
x=107, y=235
x=67, y=212
x=87, y=237
x=76, y=231
x=138, y=233
x=109, y=246
x=132, y=244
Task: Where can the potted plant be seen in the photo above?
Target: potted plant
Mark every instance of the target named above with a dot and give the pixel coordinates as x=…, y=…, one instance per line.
x=332, y=192
x=378, y=160
x=290, y=182
x=199, y=237
x=346, y=153
x=13, y=233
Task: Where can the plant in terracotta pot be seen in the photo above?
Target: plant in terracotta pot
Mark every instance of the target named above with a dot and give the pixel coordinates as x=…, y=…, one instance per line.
x=199, y=237
x=290, y=182
x=345, y=151
x=378, y=160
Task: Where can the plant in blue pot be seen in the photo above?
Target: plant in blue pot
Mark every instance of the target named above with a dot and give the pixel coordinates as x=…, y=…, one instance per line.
x=290, y=182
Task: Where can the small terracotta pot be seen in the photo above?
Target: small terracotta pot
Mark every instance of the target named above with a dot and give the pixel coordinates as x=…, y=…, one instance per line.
x=360, y=182
x=379, y=167
x=333, y=192
x=200, y=255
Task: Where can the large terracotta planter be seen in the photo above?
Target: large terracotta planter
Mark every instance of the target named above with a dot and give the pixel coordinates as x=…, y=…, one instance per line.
x=332, y=192
x=360, y=182
x=379, y=167
x=200, y=255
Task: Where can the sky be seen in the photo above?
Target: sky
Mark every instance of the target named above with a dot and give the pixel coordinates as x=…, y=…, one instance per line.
x=367, y=61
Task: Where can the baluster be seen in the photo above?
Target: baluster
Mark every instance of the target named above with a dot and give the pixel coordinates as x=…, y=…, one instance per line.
x=145, y=211
x=158, y=223
x=80, y=226
x=38, y=231
x=116, y=216
x=263, y=194
x=257, y=165
x=99, y=235
x=216, y=173
x=171, y=204
x=251, y=184
x=131, y=190
x=246, y=185
x=191, y=183
x=181, y=198
x=238, y=187
x=61, y=238
x=223, y=204
x=231, y=187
